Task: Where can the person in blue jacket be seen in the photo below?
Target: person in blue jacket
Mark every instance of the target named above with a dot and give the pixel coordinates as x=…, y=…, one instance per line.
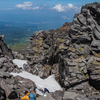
x=32, y=96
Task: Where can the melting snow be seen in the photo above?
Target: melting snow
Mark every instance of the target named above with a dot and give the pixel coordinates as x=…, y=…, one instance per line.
x=50, y=83
x=19, y=63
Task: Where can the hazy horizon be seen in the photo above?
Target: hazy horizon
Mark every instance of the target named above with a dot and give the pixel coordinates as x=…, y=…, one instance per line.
x=33, y=15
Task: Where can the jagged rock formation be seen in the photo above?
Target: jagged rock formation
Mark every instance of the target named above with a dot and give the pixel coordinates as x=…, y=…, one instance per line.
x=9, y=83
x=44, y=53
x=71, y=52
x=84, y=33
x=4, y=50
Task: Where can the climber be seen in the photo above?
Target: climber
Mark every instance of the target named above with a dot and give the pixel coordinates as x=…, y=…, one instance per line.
x=26, y=97
x=32, y=95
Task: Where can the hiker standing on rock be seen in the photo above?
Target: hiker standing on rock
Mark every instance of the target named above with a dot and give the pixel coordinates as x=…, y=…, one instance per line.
x=32, y=95
x=26, y=97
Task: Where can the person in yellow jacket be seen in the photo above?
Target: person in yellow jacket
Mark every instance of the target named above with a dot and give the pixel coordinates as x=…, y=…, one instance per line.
x=26, y=96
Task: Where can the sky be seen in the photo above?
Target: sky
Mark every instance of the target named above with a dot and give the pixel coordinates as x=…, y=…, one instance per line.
x=40, y=11
x=58, y=5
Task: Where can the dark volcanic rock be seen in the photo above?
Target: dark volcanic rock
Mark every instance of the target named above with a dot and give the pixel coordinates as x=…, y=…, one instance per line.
x=2, y=94
x=4, y=50
x=71, y=52
x=85, y=26
x=87, y=23
x=7, y=65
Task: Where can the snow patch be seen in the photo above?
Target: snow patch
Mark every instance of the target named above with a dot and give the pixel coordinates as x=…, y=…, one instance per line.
x=21, y=81
x=50, y=83
x=38, y=91
x=19, y=63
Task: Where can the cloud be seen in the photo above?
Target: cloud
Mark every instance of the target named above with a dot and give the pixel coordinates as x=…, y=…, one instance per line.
x=36, y=8
x=65, y=17
x=8, y=9
x=65, y=8
x=70, y=5
x=26, y=6
x=44, y=6
x=59, y=8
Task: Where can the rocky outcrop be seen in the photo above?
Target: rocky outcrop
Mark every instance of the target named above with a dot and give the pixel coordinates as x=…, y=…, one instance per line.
x=71, y=52
x=45, y=52
x=7, y=65
x=4, y=50
x=59, y=95
x=9, y=83
x=84, y=33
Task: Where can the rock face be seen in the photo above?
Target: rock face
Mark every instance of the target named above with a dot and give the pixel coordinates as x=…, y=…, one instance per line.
x=72, y=52
x=45, y=54
x=84, y=33
x=59, y=95
x=9, y=83
x=4, y=50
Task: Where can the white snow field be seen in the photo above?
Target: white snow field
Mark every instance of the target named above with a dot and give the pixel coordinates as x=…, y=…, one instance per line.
x=19, y=63
x=50, y=83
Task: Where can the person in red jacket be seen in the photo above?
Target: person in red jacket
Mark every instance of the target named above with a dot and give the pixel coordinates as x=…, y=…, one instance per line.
x=26, y=97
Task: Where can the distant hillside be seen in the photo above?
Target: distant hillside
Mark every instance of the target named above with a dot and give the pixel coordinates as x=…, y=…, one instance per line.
x=18, y=33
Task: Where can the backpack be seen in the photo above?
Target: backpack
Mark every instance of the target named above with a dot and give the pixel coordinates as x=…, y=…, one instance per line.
x=31, y=96
x=13, y=95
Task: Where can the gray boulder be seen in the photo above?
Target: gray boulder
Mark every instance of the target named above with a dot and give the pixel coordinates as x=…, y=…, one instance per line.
x=46, y=97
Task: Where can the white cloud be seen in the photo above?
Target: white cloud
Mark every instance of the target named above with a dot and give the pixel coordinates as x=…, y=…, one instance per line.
x=36, y=8
x=59, y=7
x=70, y=5
x=26, y=6
x=44, y=6
x=65, y=8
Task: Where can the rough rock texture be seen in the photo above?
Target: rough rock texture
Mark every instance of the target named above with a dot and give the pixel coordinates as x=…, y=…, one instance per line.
x=4, y=50
x=72, y=52
x=58, y=95
x=9, y=83
x=7, y=65
x=84, y=33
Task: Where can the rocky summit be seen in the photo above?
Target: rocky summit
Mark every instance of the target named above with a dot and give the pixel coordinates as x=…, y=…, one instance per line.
x=71, y=53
